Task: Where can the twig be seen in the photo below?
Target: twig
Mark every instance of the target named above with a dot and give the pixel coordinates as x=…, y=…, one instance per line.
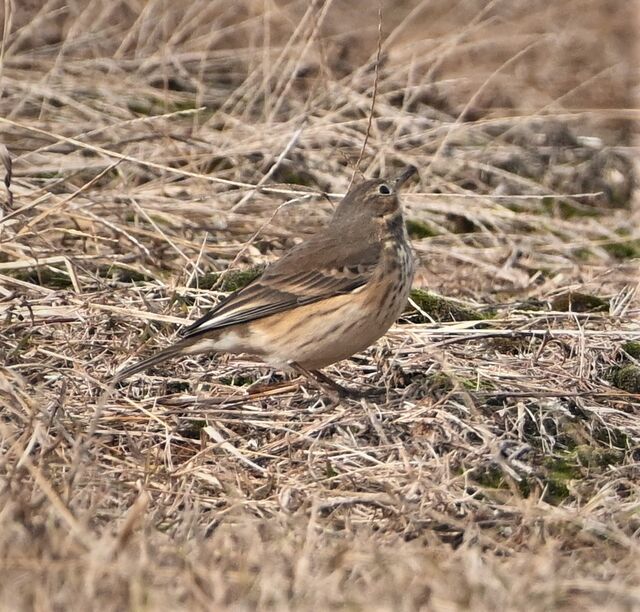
x=373, y=95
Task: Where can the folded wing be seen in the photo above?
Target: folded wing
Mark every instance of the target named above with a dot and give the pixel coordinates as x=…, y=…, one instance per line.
x=294, y=281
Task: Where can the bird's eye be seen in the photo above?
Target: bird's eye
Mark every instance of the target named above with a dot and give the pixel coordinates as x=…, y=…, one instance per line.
x=384, y=189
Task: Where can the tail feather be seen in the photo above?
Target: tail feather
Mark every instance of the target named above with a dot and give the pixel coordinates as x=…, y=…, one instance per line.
x=179, y=348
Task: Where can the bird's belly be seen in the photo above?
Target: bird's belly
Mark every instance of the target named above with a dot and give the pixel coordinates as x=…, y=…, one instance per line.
x=317, y=335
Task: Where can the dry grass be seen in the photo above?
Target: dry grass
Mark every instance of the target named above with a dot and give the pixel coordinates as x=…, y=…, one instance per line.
x=502, y=470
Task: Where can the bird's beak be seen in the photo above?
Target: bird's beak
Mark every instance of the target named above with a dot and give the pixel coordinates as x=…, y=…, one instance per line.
x=407, y=173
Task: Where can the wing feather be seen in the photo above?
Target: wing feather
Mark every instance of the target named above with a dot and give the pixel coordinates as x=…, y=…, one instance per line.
x=294, y=281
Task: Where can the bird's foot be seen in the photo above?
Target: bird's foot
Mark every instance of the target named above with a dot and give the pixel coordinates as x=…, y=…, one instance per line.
x=335, y=391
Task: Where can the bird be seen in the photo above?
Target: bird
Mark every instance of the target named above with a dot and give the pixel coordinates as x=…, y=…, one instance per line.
x=324, y=300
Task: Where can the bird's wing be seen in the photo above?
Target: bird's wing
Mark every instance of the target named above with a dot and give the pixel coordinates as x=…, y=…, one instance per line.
x=317, y=269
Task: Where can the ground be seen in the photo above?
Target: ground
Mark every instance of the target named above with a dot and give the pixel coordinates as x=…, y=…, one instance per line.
x=161, y=153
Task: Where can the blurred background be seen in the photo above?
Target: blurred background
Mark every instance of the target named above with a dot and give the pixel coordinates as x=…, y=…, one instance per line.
x=528, y=56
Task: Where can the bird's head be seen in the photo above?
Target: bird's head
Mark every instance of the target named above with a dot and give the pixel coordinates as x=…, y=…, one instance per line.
x=371, y=200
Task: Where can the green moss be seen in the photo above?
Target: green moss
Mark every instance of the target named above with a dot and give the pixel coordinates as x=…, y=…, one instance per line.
x=577, y=435
x=54, y=278
x=566, y=209
x=583, y=254
x=563, y=465
x=236, y=381
x=151, y=331
x=570, y=434
x=459, y=224
x=330, y=471
x=419, y=229
x=47, y=175
x=237, y=279
x=123, y=275
x=556, y=491
x=133, y=218
x=232, y=281
x=613, y=438
x=530, y=304
x=143, y=106
x=182, y=105
x=442, y=309
x=292, y=177
x=177, y=386
x=626, y=377
x=574, y=301
x=489, y=477
x=25, y=342
x=596, y=457
x=493, y=478
x=628, y=249
x=155, y=105
x=193, y=430
x=58, y=278
x=560, y=470
x=555, y=473
x=477, y=384
x=217, y=163
x=440, y=383
x=632, y=348
x=510, y=346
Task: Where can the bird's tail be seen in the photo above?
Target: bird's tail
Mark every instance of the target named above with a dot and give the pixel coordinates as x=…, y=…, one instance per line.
x=180, y=348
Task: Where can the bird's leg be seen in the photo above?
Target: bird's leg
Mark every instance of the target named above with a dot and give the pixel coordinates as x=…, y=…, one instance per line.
x=262, y=386
x=321, y=380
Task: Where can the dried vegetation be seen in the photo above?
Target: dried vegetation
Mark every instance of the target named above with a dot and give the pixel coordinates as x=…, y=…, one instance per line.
x=162, y=152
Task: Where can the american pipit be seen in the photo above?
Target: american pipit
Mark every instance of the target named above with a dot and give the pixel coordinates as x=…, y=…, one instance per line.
x=324, y=300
